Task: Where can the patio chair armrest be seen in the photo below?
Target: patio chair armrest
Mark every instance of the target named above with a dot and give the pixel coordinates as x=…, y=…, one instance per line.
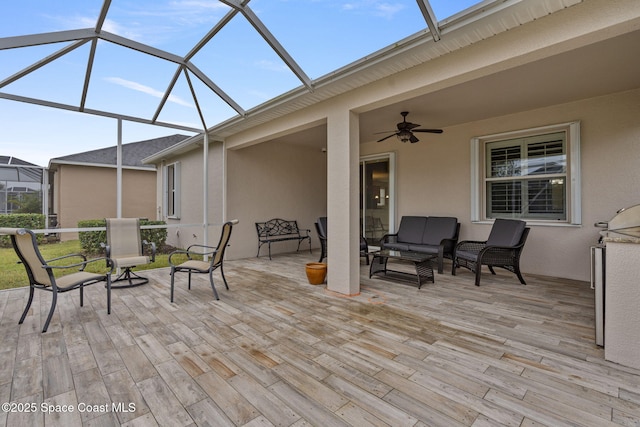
x=82, y=264
x=190, y=251
x=471, y=245
x=205, y=250
x=389, y=238
x=448, y=244
x=504, y=249
x=84, y=258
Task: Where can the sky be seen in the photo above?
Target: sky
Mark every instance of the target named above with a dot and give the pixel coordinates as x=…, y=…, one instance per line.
x=319, y=35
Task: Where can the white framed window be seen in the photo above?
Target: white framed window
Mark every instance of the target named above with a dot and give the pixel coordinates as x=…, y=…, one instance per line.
x=531, y=174
x=172, y=190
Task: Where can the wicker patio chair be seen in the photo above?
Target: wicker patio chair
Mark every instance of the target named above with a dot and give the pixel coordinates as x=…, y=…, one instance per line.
x=216, y=254
x=41, y=272
x=125, y=248
x=321, y=229
x=323, y=240
x=502, y=249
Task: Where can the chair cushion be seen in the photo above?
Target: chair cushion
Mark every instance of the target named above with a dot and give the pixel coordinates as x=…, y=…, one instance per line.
x=411, y=229
x=438, y=228
x=506, y=232
x=130, y=261
x=74, y=279
x=425, y=249
x=195, y=265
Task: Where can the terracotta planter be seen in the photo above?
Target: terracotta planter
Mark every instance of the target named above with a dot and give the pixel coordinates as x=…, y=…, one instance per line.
x=316, y=272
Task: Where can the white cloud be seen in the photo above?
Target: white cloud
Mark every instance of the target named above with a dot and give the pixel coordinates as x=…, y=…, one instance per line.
x=375, y=7
x=148, y=90
x=265, y=64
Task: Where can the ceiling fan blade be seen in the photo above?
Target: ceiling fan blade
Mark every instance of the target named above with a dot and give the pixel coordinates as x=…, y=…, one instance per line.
x=413, y=139
x=386, y=137
x=386, y=131
x=428, y=130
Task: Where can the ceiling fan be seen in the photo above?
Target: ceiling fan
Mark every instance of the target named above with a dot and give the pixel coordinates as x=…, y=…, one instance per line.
x=406, y=129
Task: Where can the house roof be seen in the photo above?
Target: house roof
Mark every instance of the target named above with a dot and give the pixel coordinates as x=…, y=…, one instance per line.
x=132, y=153
x=14, y=161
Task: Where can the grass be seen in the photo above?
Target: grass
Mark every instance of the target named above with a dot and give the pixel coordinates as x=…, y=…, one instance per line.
x=13, y=275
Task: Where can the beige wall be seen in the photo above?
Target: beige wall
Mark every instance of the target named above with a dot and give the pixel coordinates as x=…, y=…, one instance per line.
x=180, y=233
x=85, y=192
x=434, y=176
x=274, y=180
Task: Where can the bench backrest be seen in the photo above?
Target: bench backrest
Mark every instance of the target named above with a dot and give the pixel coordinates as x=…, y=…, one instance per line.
x=439, y=228
x=411, y=229
x=277, y=227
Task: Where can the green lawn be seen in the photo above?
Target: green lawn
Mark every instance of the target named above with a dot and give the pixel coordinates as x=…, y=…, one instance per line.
x=13, y=275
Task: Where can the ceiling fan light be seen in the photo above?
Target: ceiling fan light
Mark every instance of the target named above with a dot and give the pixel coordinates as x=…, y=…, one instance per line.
x=404, y=136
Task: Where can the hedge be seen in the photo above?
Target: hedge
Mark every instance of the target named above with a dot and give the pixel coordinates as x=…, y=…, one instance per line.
x=27, y=220
x=90, y=240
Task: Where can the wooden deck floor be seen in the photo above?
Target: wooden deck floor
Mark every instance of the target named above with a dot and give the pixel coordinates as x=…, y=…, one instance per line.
x=277, y=351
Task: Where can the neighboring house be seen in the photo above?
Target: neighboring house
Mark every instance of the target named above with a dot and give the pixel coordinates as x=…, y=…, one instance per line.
x=517, y=90
x=83, y=185
x=21, y=185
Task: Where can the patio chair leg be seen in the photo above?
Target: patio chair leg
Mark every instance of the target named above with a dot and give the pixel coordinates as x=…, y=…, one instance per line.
x=26, y=309
x=189, y=284
x=215, y=293
x=520, y=276
x=478, y=273
x=108, y=294
x=54, y=299
x=81, y=294
x=173, y=270
x=491, y=270
x=223, y=278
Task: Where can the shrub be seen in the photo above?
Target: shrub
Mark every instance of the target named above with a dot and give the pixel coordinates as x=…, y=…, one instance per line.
x=30, y=221
x=90, y=240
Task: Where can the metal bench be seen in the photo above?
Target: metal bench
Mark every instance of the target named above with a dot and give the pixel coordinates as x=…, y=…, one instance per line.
x=280, y=230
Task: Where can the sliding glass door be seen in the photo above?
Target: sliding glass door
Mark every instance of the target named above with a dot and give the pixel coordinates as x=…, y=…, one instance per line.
x=377, y=196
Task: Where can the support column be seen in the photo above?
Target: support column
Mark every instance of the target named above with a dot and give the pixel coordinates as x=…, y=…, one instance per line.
x=343, y=192
x=119, y=171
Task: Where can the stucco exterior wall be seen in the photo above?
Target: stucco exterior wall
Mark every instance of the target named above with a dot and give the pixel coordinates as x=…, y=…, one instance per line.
x=182, y=232
x=433, y=176
x=85, y=192
x=274, y=180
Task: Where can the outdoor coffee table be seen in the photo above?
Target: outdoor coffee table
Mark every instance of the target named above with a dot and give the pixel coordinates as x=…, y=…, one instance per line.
x=421, y=261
